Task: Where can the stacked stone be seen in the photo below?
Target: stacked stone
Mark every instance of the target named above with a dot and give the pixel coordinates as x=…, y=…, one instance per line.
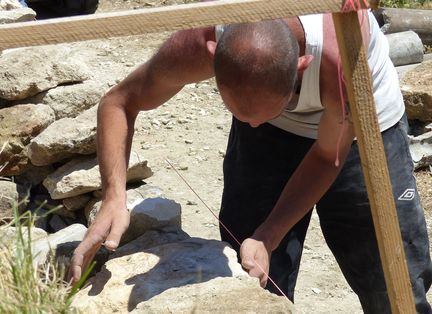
x=47, y=120
x=48, y=105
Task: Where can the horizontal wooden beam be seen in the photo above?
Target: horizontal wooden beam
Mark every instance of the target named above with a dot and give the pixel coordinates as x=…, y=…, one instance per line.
x=168, y=18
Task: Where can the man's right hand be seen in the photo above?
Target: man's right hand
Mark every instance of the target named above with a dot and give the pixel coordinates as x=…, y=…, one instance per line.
x=111, y=222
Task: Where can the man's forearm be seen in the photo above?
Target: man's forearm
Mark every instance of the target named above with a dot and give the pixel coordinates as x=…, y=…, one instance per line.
x=309, y=182
x=115, y=129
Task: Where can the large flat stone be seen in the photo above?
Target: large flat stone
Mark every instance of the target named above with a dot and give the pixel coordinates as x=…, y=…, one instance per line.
x=70, y=100
x=65, y=138
x=24, y=73
x=145, y=280
x=225, y=295
x=80, y=176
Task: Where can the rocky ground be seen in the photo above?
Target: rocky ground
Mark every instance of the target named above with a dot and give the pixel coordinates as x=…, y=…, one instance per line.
x=191, y=131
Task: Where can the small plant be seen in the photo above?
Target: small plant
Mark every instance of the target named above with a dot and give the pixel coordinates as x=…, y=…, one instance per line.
x=24, y=286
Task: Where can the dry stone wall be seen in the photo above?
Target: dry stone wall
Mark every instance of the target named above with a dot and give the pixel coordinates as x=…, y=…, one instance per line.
x=48, y=105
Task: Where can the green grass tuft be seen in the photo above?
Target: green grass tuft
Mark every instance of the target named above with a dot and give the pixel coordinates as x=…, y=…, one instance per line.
x=24, y=286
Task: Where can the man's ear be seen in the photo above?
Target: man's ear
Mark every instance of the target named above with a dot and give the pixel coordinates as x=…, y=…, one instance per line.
x=211, y=48
x=303, y=62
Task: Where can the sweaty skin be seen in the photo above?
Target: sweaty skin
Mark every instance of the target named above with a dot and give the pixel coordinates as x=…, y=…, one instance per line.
x=187, y=57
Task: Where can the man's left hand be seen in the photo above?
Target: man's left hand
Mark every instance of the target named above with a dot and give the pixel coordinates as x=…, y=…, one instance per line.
x=255, y=259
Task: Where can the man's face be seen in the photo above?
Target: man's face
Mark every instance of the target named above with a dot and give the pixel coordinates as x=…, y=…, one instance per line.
x=254, y=107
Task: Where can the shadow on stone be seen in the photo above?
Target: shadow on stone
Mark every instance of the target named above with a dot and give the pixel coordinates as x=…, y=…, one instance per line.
x=179, y=264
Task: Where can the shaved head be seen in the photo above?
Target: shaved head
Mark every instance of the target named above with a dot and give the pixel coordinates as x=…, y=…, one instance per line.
x=256, y=58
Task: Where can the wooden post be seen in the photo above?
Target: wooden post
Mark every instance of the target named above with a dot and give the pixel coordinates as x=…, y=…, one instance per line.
x=374, y=164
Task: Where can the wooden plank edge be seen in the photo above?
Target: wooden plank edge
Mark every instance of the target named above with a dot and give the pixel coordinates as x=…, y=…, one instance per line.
x=168, y=18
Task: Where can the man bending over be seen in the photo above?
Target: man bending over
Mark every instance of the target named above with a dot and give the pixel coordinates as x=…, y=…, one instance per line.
x=290, y=147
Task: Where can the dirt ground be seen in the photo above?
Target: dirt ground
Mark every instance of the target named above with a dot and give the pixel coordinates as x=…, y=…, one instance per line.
x=191, y=131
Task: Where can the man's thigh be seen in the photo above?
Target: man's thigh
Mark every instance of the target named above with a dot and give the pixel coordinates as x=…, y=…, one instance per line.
x=347, y=225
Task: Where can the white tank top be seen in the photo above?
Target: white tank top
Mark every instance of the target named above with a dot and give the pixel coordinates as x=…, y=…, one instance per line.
x=304, y=119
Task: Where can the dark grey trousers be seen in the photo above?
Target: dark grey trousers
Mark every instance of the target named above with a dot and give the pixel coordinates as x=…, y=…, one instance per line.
x=259, y=162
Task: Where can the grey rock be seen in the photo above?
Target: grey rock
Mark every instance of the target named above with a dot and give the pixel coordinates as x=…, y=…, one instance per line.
x=71, y=100
x=150, y=239
x=9, y=235
x=149, y=210
x=17, y=15
x=151, y=213
x=143, y=191
x=42, y=248
x=18, y=125
x=80, y=176
x=403, y=69
x=65, y=138
x=11, y=194
x=64, y=253
x=405, y=48
x=57, y=223
x=138, y=169
x=395, y=20
x=421, y=150
x=91, y=210
x=69, y=217
x=132, y=195
x=41, y=215
x=126, y=281
x=416, y=87
x=76, y=202
x=34, y=175
x=226, y=295
x=27, y=72
x=9, y=5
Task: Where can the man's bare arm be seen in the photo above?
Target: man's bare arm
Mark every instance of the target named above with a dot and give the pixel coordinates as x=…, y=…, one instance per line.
x=306, y=186
x=182, y=59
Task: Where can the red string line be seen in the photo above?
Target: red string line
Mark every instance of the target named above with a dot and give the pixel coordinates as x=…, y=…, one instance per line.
x=223, y=225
